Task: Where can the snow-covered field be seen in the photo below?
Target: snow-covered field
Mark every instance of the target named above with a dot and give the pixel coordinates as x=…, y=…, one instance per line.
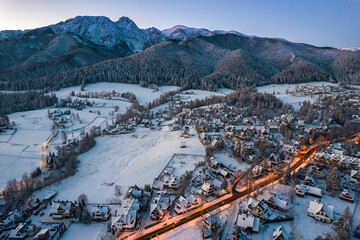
x=143, y=95
x=280, y=92
x=124, y=160
x=193, y=94
x=22, y=152
x=84, y=231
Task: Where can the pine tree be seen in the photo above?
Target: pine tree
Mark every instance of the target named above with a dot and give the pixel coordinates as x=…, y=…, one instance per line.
x=332, y=181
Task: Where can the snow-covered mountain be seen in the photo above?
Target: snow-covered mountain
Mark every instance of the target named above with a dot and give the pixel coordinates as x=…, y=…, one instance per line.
x=103, y=31
x=100, y=30
x=181, y=32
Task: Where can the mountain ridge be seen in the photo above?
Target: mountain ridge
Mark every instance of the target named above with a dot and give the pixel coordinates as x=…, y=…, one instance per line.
x=50, y=57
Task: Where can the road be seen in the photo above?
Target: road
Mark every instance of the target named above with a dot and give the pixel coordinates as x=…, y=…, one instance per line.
x=226, y=199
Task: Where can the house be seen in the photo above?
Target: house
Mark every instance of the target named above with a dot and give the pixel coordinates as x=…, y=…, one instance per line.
x=273, y=158
x=259, y=208
x=211, y=225
x=185, y=204
x=217, y=142
x=24, y=230
x=281, y=234
x=171, y=182
x=62, y=209
x=323, y=157
x=33, y=203
x=321, y=212
x=347, y=195
x=276, y=201
x=100, y=213
x=12, y=218
x=43, y=234
x=196, y=181
x=355, y=174
x=125, y=218
x=249, y=223
x=207, y=189
x=302, y=190
x=159, y=206
x=257, y=171
x=134, y=192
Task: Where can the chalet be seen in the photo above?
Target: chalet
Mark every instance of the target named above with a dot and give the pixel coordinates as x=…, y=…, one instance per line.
x=259, y=208
x=257, y=171
x=302, y=190
x=196, y=181
x=322, y=157
x=185, y=204
x=248, y=222
x=43, y=234
x=134, y=192
x=347, y=195
x=321, y=212
x=24, y=230
x=171, y=182
x=281, y=234
x=33, y=203
x=211, y=225
x=207, y=189
x=11, y=219
x=355, y=174
x=100, y=213
x=217, y=142
x=159, y=206
x=62, y=209
x=276, y=201
x=126, y=219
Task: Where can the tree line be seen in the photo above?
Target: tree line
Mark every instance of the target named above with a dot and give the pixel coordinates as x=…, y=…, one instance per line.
x=25, y=101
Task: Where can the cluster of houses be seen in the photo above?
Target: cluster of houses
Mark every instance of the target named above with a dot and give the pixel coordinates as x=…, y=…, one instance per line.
x=126, y=217
x=303, y=90
x=271, y=208
x=60, y=118
x=19, y=225
x=335, y=156
x=79, y=104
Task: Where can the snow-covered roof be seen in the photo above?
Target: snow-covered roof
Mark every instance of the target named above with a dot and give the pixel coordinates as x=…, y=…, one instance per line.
x=315, y=207
x=280, y=231
x=246, y=221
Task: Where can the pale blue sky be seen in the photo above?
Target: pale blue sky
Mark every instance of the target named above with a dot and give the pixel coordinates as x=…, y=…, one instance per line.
x=333, y=23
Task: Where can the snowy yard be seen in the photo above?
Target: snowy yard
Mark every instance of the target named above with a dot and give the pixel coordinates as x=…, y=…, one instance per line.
x=22, y=151
x=143, y=95
x=84, y=231
x=124, y=160
x=296, y=101
x=193, y=94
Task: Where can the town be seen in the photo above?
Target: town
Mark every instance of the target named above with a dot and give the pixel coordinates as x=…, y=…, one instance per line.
x=219, y=138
